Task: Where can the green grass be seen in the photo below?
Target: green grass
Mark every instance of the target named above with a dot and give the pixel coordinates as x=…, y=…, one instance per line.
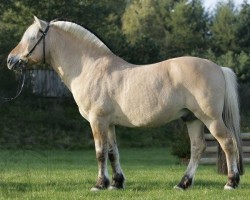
x=150, y=174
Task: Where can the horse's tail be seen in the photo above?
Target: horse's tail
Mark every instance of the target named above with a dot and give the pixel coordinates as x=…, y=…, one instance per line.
x=231, y=114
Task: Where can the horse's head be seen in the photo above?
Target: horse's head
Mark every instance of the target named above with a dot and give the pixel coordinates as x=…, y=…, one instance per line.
x=31, y=49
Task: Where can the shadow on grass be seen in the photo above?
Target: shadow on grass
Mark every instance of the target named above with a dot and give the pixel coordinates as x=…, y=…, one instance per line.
x=209, y=184
x=169, y=185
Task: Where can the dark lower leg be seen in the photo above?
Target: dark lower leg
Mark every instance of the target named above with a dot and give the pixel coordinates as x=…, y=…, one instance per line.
x=102, y=180
x=233, y=180
x=113, y=154
x=118, y=177
x=102, y=183
x=185, y=182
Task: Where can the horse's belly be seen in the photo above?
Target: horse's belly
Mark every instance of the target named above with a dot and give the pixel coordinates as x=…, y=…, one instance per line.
x=147, y=119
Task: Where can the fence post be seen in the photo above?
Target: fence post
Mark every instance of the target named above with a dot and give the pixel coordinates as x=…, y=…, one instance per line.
x=221, y=163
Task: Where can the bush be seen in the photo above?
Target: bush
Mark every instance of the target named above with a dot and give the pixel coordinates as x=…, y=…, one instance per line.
x=180, y=145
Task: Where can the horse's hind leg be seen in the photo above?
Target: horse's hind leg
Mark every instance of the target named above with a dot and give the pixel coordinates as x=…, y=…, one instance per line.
x=198, y=145
x=113, y=154
x=225, y=139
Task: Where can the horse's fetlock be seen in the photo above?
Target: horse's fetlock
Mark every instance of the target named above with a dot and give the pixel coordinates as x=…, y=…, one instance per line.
x=186, y=182
x=118, y=181
x=102, y=183
x=233, y=180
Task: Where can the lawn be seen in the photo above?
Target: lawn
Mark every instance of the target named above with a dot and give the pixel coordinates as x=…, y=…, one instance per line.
x=150, y=173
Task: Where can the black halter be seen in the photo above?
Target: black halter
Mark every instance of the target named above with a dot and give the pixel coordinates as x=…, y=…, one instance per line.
x=19, y=66
x=44, y=33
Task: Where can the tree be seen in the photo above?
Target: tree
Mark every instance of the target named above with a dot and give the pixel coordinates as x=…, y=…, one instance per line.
x=188, y=28
x=243, y=28
x=141, y=18
x=223, y=28
x=170, y=24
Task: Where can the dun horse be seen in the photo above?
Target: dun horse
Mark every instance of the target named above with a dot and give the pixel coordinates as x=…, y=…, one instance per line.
x=110, y=91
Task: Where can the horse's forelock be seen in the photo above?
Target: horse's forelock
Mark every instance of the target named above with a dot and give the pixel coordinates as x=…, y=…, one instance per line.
x=31, y=32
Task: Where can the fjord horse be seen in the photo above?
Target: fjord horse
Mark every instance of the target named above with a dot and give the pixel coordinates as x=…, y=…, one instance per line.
x=110, y=91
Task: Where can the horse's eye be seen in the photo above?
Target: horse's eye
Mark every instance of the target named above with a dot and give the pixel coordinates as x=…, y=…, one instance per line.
x=32, y=38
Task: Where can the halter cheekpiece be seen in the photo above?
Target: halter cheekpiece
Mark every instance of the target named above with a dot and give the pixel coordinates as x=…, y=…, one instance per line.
x=44, y=33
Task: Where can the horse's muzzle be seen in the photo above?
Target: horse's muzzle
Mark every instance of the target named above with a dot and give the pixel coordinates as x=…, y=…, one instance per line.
x=15, y=63
x=11, y=61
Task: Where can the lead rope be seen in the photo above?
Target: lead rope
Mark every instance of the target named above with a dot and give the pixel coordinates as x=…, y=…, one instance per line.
x=20, y=87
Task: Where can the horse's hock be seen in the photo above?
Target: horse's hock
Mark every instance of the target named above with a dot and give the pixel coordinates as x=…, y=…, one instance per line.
x=212, y=156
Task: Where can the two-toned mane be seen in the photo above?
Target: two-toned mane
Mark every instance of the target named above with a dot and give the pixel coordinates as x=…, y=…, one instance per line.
x=79, y=32
x=111, y=92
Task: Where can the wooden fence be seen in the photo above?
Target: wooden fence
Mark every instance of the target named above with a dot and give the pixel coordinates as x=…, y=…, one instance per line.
x=46, y=83
x=211, y=154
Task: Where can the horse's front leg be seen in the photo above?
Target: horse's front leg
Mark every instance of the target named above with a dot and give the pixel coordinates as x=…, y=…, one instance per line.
x=100, y=132
x=118, y=178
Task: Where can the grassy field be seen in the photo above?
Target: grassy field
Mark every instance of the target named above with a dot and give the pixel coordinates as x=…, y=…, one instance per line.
x=150, y=173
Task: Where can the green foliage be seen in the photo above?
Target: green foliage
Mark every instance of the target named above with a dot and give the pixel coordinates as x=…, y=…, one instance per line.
x=223, y=28
x=180, y=145
x=140, y=18
x=239, y=62
x=243, y=29
x=185, y=33
x=57, y=124
x=170, y=23
x=42, y=123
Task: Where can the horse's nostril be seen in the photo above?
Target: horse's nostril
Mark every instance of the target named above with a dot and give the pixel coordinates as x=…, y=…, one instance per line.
x=9, y=60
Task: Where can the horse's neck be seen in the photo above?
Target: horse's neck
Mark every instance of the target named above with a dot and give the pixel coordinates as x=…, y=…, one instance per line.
x=71, y=58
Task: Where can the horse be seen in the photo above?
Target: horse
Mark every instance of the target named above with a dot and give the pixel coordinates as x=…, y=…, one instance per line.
x=111, y=92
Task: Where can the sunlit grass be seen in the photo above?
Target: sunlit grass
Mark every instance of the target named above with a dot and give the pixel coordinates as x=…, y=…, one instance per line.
x=150, y=174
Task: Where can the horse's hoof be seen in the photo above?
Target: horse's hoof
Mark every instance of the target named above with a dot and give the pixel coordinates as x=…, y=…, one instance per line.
x=94, y=189
x=118, y=182
x=101, y=184
x=112, y=188
x=228, y=187
x=178, y=188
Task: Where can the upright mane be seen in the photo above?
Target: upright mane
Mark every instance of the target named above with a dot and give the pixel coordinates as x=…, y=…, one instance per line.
x=79, y=32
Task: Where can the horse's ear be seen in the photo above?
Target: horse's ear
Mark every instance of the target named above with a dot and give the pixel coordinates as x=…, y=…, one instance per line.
x=42, y=24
